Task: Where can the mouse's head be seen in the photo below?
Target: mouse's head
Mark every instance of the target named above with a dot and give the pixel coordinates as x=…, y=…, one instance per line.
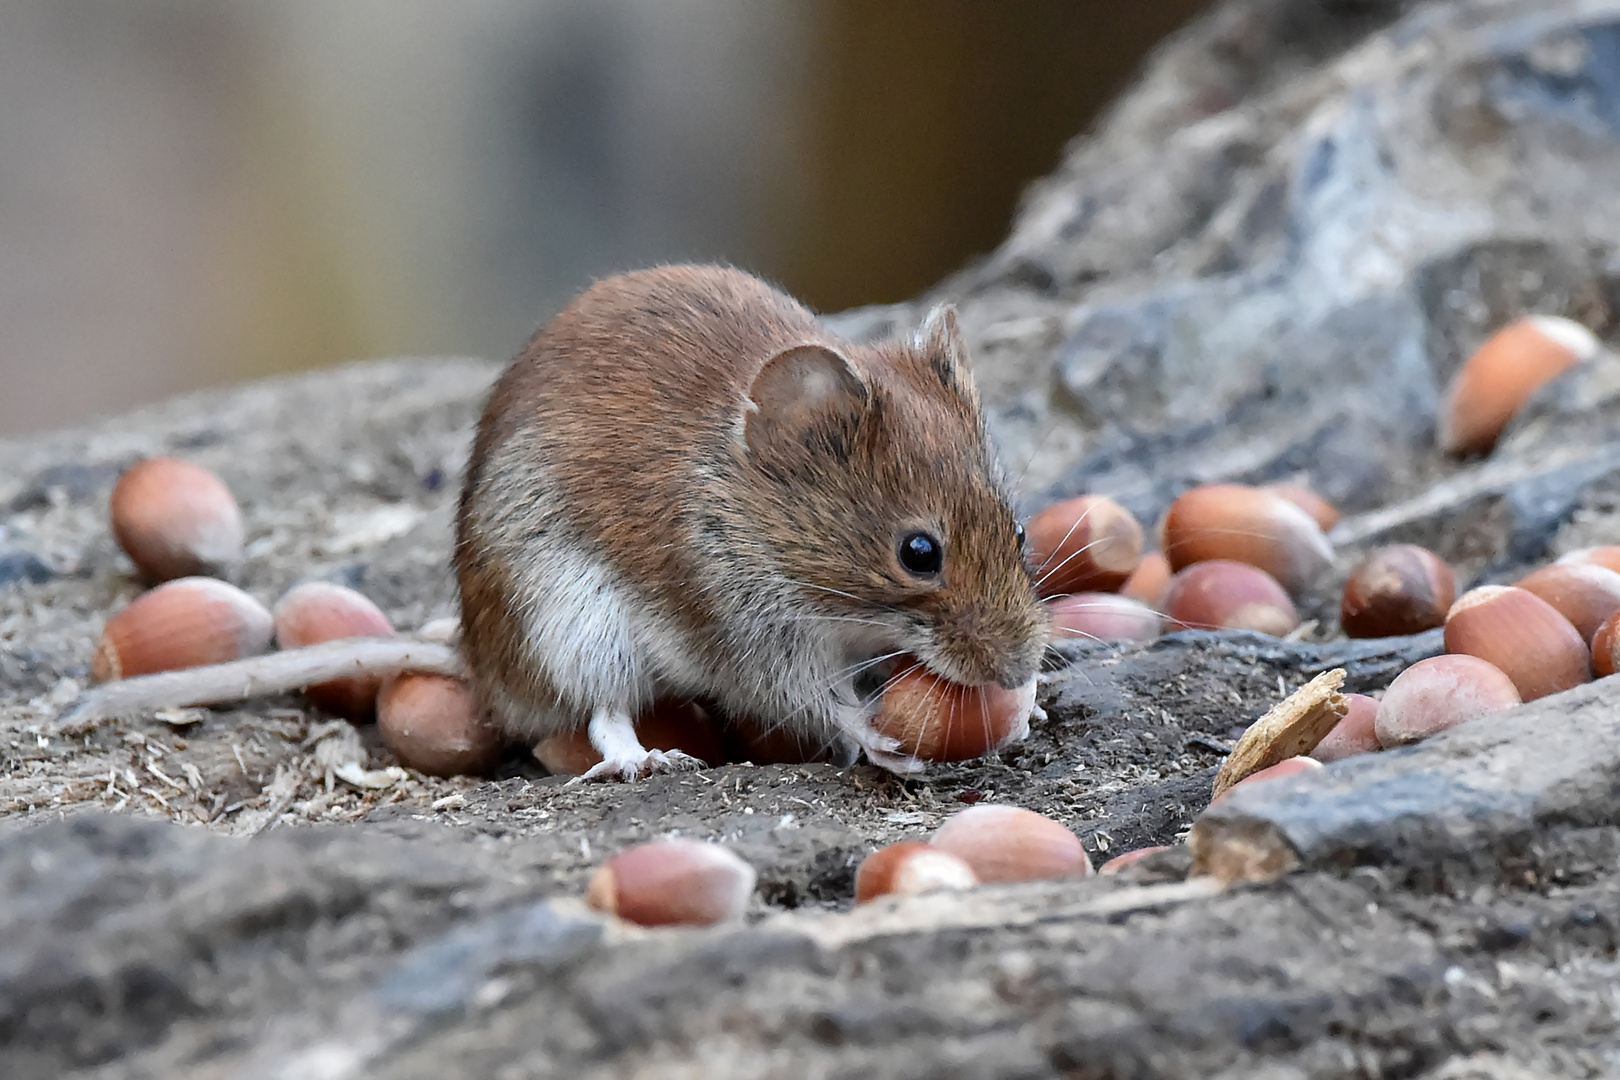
x=879, y=495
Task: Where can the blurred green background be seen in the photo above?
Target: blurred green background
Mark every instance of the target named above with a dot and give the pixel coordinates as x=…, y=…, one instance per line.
x=195, y=193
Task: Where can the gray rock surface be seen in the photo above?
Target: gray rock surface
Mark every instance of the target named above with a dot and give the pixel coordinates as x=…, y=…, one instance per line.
x=1263, y=264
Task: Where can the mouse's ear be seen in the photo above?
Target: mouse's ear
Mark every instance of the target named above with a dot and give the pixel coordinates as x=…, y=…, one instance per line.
x=807, y=397
x=941, y=341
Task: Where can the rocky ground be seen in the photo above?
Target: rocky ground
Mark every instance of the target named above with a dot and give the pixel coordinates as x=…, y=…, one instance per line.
x=1263, y=265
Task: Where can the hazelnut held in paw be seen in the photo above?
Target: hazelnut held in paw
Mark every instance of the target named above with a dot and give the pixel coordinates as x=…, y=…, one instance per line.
x=686, y=486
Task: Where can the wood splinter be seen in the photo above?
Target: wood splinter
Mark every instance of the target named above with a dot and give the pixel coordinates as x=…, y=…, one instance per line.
x=1290, y=728
x=256, y=676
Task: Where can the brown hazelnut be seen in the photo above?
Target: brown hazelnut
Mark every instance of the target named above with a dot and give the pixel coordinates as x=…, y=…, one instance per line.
x=1604, y=555
x=1288, y=767
x=1439, y=693
x=1397, y=590
x=1007, y=843
x=175, y=519
x=184, y=623
x=1495, y=382
x=1121, y=862
x=910, y=868
x=1247, y=525
x=672, y=883
x=1091, y=616
x=1585, y=594
x=1355, y=734
x=1225, y=595
x=1149, y=581
x=1324, y=513
x=320, y=611
x=433, y=725
x=1523, y=635
x=1606, y=647
x=938, y=720
x=1086, y=544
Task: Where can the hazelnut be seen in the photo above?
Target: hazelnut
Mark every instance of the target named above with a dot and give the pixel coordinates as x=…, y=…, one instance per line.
x=1149, y=581
x=1523, y=635
x=672, y=883
x=1397, y=590
x=1225, y=595
x=668, y=725
x=1087, y=544
x=1102, y=617
x=1439, y=693
x=1324, y=513
x=910, y=868
x=175, y=519
x=1354, y=734
x=1120, y=862
x=938, y=720
x=1287, y=767
x=320, y=611
x=1495, y=382
x=433, y=725
x=1585, y=594
x=1247, y=525
x=749, y=740
x=1606, y=647
x=1007, y=843
x=1604, y=555
x=184, y=623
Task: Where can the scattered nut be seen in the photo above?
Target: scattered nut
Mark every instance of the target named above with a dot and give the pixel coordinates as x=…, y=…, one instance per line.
x=1523, y=635
x=1120, y=862
x=320, y=611
x=1103, y=617
x=1247, y=525
x=1439, y=693
x=1585, y=594
x=1604, y=555
x=910, y=868
x=1495, y=382
x=1007, y=843
x=1224, y=595
x=1087, y=544
x=184, y=623
x=1606, y=647
x=1396, y=590
x=672, y=883
x=433, y=725
x=1149, y=581
x=175, y=519
x=1355, y=734
x=1324, y=513
x=938, y=720
x=1287, y=767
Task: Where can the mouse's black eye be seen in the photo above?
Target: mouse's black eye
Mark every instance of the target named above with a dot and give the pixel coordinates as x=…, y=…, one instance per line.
x=1018, y=530
x=921, y=554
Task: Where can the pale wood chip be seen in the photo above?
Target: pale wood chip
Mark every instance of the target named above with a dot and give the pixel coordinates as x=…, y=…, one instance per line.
x=1292, y=727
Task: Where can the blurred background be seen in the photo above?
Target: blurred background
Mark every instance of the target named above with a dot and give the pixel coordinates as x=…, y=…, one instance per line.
x=196, y=193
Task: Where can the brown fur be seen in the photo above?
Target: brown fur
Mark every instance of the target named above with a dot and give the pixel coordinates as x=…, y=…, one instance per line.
x=625, y=433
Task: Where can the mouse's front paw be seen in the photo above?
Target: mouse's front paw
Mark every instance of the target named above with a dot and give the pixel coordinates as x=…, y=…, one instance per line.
x=882, y=750
x=634, y=767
